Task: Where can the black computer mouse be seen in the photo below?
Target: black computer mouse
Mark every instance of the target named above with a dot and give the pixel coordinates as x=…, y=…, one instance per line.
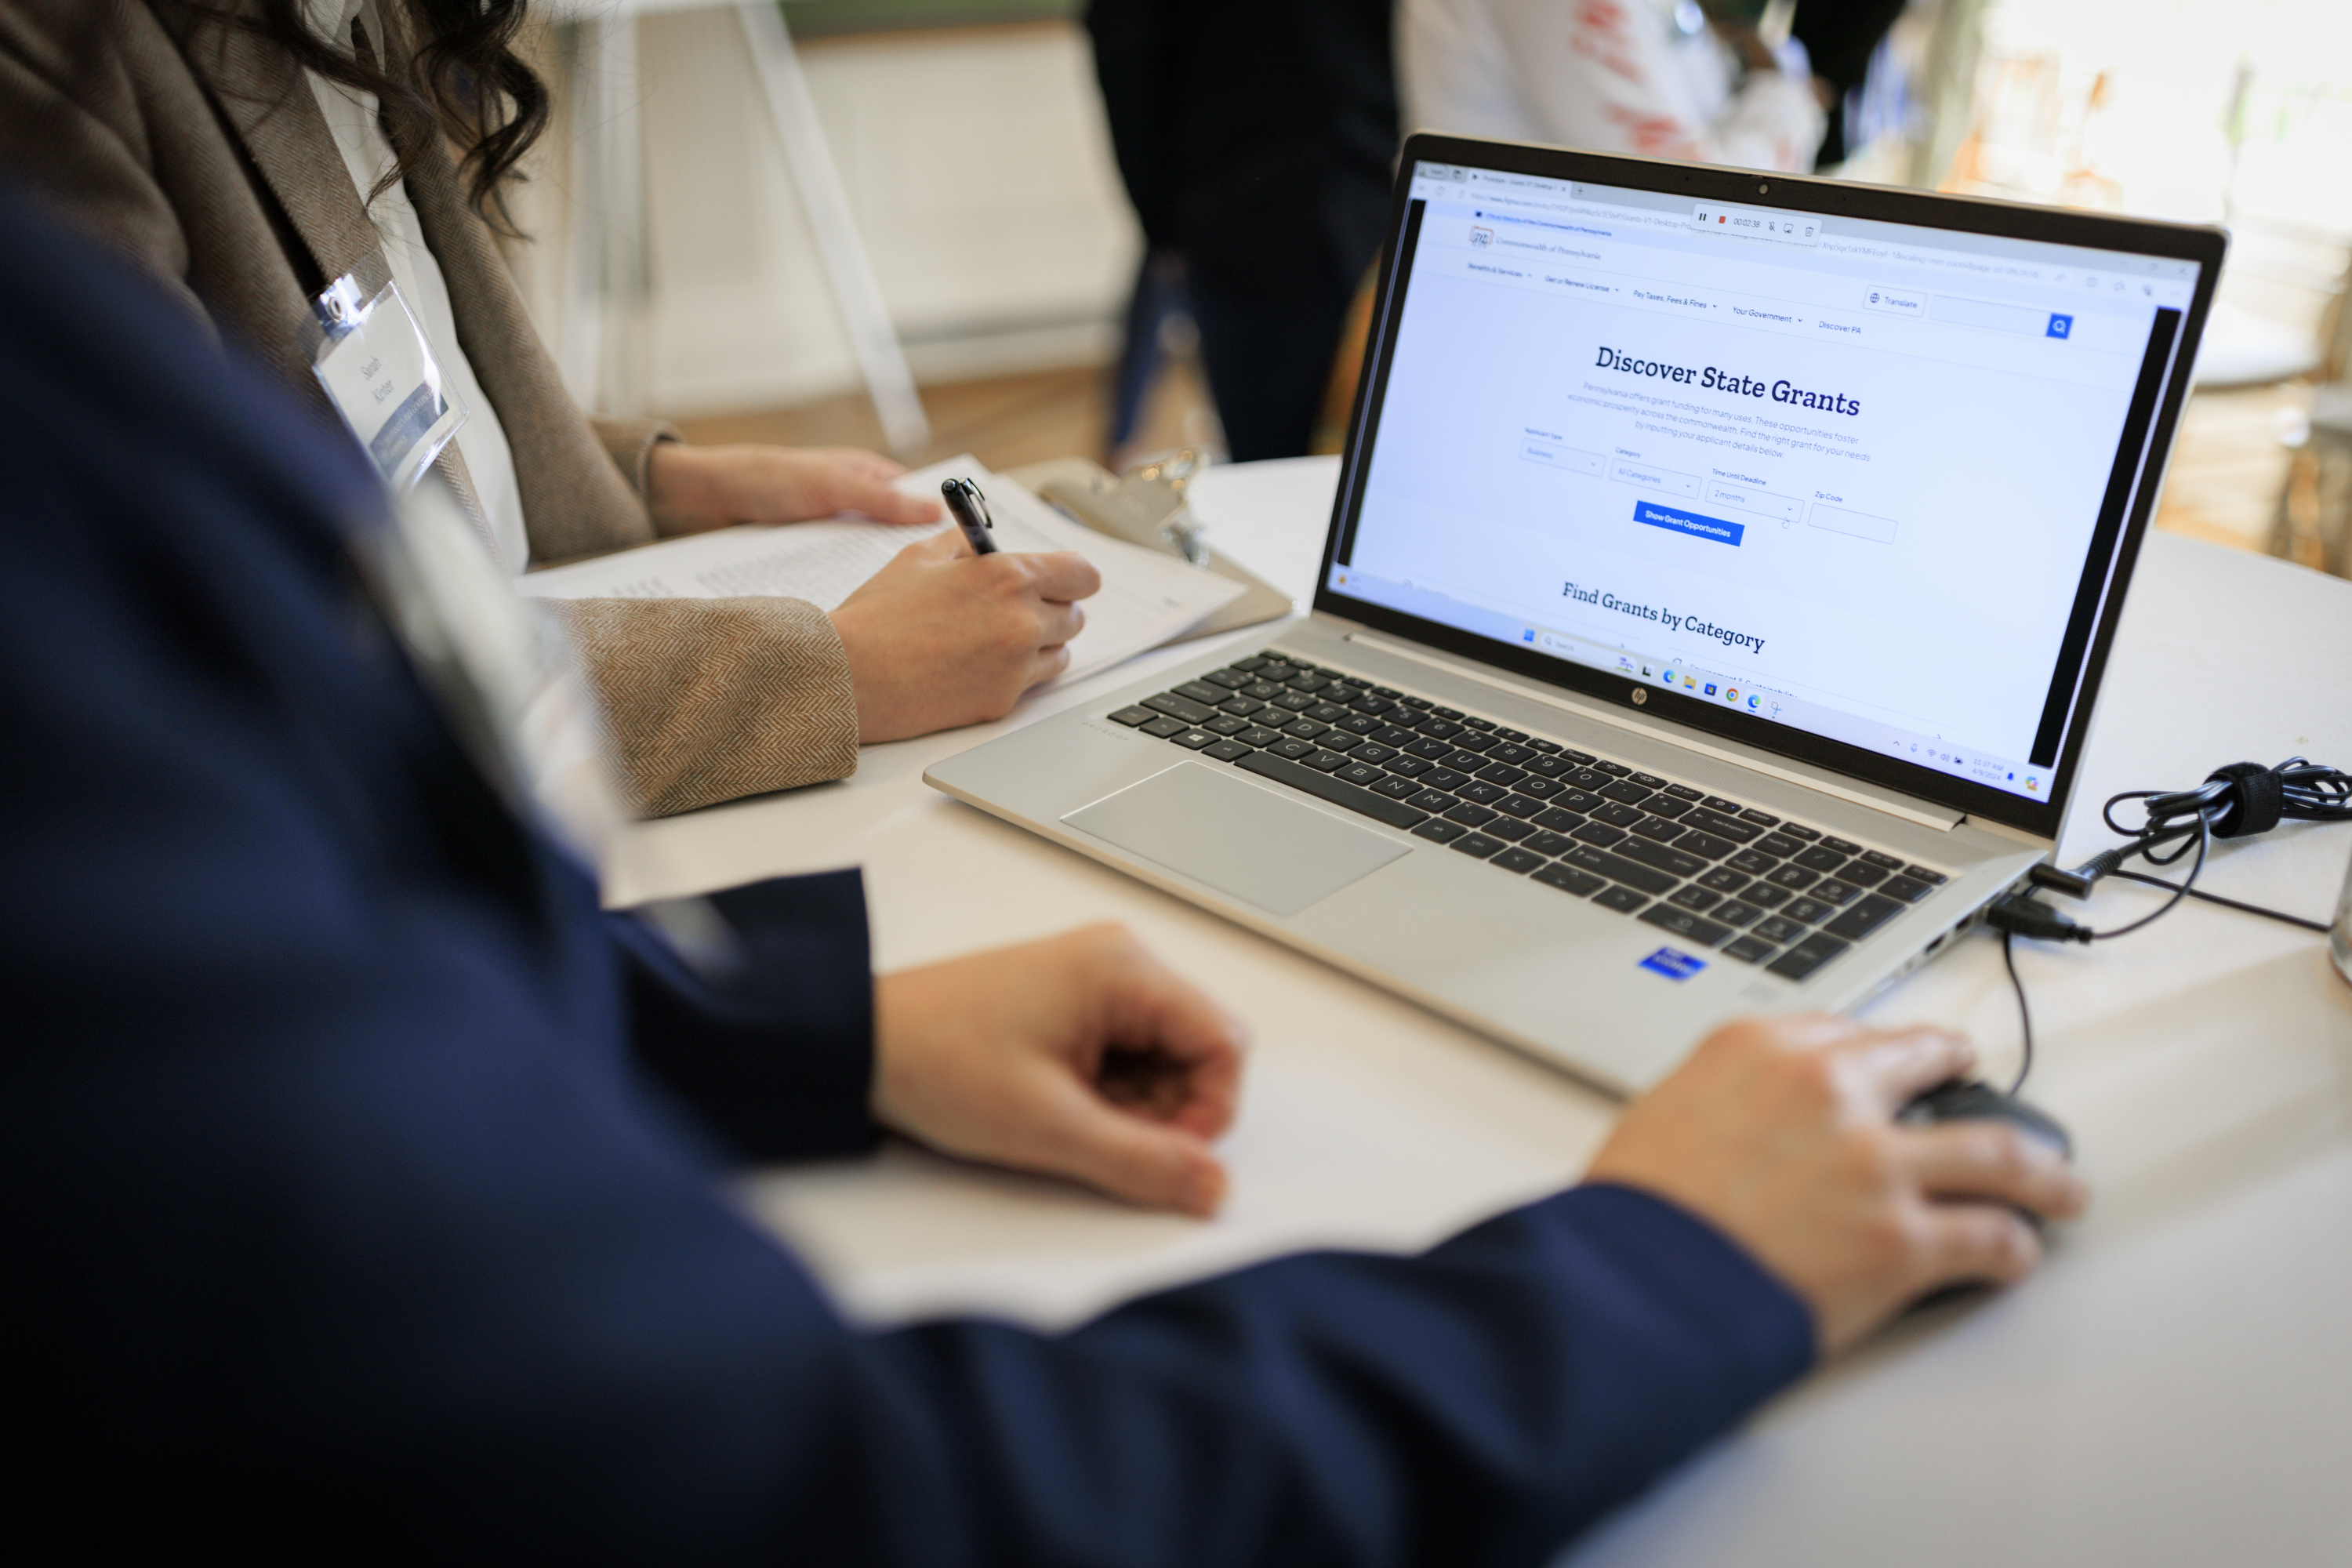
x=1968, y=1099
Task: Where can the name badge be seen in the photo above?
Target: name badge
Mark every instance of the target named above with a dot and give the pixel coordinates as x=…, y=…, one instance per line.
x=372, y=357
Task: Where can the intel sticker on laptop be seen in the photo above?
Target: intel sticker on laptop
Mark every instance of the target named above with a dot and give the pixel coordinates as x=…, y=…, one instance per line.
x=1674, y=964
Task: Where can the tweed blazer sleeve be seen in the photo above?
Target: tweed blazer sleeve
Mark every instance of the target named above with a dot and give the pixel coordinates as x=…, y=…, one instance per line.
x=202, y=154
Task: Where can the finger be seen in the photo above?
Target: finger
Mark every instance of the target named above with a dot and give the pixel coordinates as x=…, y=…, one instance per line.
x=1129, y=1156
x=1062, y=576
x=1893, y=1066
x=1989, y=1160
x=1977, y=1241
x=883, y=501
x=1057, y=624
x=939, y=547
x=1049, y=663
x=1153, y=1008
x=872, y=464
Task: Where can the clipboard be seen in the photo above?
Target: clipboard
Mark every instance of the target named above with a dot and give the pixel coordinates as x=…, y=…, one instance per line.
x=1149, y=508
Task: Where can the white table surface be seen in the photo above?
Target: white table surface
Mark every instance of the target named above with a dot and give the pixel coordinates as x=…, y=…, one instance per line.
x=2174, y=1387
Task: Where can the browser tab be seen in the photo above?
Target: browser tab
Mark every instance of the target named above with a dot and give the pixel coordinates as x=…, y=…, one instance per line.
x=1758, y=222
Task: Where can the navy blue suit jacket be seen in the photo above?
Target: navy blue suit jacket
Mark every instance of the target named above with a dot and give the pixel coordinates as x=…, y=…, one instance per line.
x=361, y=1175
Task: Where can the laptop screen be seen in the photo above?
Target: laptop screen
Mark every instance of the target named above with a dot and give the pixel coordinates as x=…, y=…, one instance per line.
x=1858, y=479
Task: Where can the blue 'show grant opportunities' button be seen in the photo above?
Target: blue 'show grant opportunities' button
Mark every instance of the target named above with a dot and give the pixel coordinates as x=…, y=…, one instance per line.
x=1690, y=522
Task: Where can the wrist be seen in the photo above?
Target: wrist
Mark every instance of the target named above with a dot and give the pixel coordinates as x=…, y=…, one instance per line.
x=680, y=491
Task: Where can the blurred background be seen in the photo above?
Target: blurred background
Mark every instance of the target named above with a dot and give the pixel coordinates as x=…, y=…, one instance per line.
x=908, y=224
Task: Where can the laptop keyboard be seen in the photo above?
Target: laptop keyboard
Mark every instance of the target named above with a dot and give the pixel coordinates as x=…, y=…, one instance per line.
x=1711, y=871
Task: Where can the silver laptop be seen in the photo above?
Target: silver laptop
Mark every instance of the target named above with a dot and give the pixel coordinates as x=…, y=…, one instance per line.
x=1713, y=609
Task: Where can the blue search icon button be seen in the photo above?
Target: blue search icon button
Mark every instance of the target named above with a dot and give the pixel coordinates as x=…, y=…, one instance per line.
x=2060, y=326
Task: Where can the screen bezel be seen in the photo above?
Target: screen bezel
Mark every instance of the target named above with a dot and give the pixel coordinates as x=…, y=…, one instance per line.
x=2204, y=246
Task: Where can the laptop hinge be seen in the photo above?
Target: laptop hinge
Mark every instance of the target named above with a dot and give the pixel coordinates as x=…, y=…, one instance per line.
x=1940, y=818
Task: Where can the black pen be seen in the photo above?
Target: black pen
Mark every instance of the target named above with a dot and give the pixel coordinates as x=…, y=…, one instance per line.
x=971, y=508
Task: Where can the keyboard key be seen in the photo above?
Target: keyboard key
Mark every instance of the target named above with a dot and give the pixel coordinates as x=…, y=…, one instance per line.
x=1864, y=918
x=1362, y=774
x=1599, y=833
x=1340, y=741
x=1227, y=751
x=1468, y=762
x=1326, y=713
x=1297, y=701
x=1361, y=724
x=1776, y=930
x=1684, y=792
x=1549, y=843
x=1480, y=745
x=1502, y=774
x=1505, y=735
x=1202, y=691
x=1479, y=724
x=1616, y=816
x=1483, y=794
x=1799, y=830
x=1433, y=800
x=1439, y=728
x=1579, y=800
x=1649, y=781
x=1411, y=767
x=1277, y=668
x=1808, y=910
x=1736, y=911
x=1396, y=788
x=1748, y=950
x=1178, y=707
x=1296, y=750
x=1581, y=759
x=1760, y=818
x=1445, y=712
x=1391, y=692
x=1475, y=844
x=1258, y=735
x=1429, y=750
x=1716, y=802
x=1373, y=751
x=1511, y=752
x=1569, y=879
x=1834, y=891
x=1396, y=735
x=1509, y=827
x=1306, y=730
x=1255, y=661
x=1752, y=863
x=1559, y=821
x=1692, y=897
x=1723, y=879
x=1821, y=857
x=1133, y=716
x=1444, y=778
x=1883, y=860
x=1323, y=762
x=1922, y=874
x=1542, y=789
x=1805, y=957
x=1843, y=845
x=1379, y=809
x=1164, y=727
x=1662, y=805
x=1519, y=806
x=1372, y=704
x=1624, y=899
x=1443, y=831
x=1549, y=748
x=1589, y=778
x=1614, y=770
x=1626, y=790
x=1227, y=726
x=1470, y=816
x=1307, y=682
x=1706, y=845
x=1685, y=924
x=1664, y=858
x=1708, y=820
x=1764, y=896
x=1863, y=874
x=1779, y=844
x=1658, y=828
x=1617, y=869
x=1516, y=861
x=1196, y=739
x=1908, y=889
x=1230, y=678
x=1796, y=878
x=1551, y=766
x=1263, y=691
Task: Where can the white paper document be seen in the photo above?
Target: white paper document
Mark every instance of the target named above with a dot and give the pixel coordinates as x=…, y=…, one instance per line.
x=1146, y=597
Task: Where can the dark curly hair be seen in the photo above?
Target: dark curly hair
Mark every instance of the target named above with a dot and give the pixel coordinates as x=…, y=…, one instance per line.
x=465, y=82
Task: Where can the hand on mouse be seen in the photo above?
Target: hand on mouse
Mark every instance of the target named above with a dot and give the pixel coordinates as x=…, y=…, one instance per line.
x=1082, y=1056
x=1781, y=1134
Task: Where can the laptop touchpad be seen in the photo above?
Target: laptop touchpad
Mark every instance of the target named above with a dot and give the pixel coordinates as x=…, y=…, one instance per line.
x=1211, y=827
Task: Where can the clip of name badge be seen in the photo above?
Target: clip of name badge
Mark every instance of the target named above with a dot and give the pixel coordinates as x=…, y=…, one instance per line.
x=372, y=357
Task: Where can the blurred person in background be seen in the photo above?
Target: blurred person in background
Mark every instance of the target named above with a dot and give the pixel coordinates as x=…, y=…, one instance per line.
x=367, y=1184
x=1663, y=79
x=1257, y=139
x=251, y=153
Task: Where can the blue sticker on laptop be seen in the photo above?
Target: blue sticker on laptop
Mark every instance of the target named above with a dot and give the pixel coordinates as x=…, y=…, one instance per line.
x=1674, y=964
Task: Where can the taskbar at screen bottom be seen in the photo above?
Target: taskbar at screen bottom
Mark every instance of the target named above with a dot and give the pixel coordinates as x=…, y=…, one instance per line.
x=1729, y=689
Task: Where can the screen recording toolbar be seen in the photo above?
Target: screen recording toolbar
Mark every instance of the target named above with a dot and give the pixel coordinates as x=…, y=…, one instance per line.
x=1838, y=475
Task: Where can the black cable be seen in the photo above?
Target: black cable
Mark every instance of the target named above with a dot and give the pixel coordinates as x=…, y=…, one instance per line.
x=2024, y=1013
x=2319, y=926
